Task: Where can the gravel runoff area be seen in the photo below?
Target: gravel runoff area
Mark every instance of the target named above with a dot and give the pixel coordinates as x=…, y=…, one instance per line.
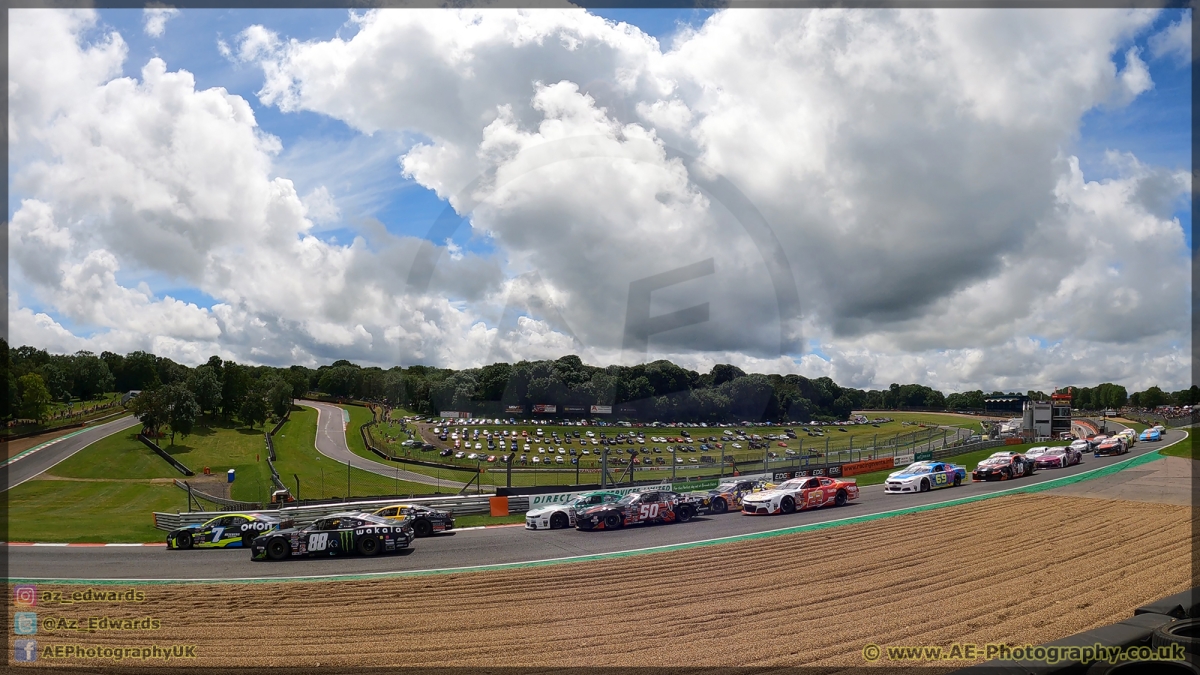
x=1018, y=569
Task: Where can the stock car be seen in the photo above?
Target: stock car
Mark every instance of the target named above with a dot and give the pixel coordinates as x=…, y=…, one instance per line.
x=1151, y=434
x=1036, y=451
x=336, y=534
x=808, y=492
x=729, y=494
x=1111, y=447
x=235, y=530
x=638, y=507
x=1003, y=466
x=423, y=519
x=925, y=476
x=1059, y=457
x=557, y=516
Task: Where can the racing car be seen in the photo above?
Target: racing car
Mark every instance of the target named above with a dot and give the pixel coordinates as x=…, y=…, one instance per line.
x=729, y=494
x=1058, y=458
x=557, y=516
x=638, y=507
x=799, y=494
x=1111, y=447
x=1003, y=466
x=235, y=530
x=424, y=520
x=337, y=534
x=925, y=476
x=1036, y=451
x=1151, y=434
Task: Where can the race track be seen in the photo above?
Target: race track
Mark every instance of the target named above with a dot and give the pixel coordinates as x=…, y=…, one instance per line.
x=41, y=458
x=491, y=546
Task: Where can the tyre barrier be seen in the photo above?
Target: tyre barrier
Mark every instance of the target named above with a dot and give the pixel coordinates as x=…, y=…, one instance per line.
x=1158, y=624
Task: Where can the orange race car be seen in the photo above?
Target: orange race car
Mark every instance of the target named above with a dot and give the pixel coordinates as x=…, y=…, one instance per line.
x=805, y=492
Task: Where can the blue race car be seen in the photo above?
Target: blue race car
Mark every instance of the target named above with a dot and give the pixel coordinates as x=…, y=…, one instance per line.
x=925, y=476
x=1150, y=435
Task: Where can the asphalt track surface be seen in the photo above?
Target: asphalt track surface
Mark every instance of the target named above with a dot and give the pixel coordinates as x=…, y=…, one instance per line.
x=331, y=442
x=488, y=546
x=40, y=459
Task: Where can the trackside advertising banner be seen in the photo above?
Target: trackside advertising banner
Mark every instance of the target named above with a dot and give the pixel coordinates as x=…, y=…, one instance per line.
x=601, y=410
x=514, y=409
x=903, y=460
x=545, y=408
x=867, y=466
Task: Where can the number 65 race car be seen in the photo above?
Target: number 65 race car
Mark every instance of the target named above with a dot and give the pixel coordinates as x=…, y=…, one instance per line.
x=638, y=507
x=236, y=530
x=925, y=476
x=338, y=534
x=800, y=493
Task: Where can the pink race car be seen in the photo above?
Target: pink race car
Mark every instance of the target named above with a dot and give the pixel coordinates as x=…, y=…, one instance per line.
x=1058, y=458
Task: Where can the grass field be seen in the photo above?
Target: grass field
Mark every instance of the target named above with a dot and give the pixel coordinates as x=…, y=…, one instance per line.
x=321, y=477
x=117, y=511
x=1185, y=448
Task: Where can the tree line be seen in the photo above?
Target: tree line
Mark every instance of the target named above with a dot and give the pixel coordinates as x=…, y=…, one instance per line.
x=176, y=395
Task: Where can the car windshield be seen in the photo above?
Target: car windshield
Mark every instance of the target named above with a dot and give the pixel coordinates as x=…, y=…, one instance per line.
x=1056, y=451
x=630, y=498
x=919, y=467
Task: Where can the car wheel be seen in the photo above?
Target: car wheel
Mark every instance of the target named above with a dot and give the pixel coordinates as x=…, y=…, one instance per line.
x=924, y=485
x=277, y=549
x=183, y=541
x=612, y=521
x=422, y=528
x=684, y=514
x=368, y=546
x=841, y=498
x=719, y=505
x=788, y=505
x=559, y=521
x=957, y=480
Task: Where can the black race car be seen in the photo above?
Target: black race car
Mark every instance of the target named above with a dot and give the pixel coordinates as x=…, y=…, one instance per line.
x=424, y=520
x=639, y=507
x=338, y=534
x=1003, y=465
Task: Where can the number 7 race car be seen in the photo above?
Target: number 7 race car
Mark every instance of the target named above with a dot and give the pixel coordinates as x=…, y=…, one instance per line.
x=338, y=534
x=235, y=530
x=800, y=493
x=925, y=476
x=638, y=507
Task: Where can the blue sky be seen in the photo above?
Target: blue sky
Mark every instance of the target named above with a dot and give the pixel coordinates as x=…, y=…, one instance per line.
x=1156, y=127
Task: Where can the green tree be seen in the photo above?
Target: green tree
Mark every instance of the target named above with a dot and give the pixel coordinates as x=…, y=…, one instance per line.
x=253, y=410
x=234, y=388
x=89, y=376
x=150, y=407
x=206, y=388
x=182, y=409
x=278, y=395
x=35, y=397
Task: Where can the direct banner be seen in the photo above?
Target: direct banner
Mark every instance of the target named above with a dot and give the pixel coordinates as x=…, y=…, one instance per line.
x=867, y=466
x=538, y=501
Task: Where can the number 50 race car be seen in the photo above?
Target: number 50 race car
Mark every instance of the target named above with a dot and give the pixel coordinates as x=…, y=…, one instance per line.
x=798, y=494
x=338, y=534
x=638, y=507
x=232, y=531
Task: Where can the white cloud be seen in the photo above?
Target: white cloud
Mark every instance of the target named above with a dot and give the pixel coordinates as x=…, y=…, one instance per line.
x=907, y=164
x=1175, y=40
x=155, y=18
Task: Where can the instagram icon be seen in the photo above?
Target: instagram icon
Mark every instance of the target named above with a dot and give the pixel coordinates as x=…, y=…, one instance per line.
x=25, y=596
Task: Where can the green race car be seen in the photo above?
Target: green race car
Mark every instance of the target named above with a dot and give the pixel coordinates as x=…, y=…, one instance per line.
x=235, y=530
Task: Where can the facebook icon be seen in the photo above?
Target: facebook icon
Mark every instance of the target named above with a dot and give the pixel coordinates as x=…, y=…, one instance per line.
x=25, y=650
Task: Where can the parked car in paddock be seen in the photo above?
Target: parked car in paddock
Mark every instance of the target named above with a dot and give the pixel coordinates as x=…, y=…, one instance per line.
x=558, y=516
x=423, y=519
x=1151, y=434
x=1058, y=458
x=1111, y=448
x=925, y=476
x=798, y=494
x=337, y=534
x=1003, y=465
x=639, y=507
x=236, y=530
x=727, y=495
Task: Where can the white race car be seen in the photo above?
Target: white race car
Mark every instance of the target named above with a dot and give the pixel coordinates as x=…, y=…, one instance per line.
x=558, y=516
x=798, y=494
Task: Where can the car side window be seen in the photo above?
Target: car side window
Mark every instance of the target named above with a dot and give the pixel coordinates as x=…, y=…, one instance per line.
x=236, y=521
x=826, y=481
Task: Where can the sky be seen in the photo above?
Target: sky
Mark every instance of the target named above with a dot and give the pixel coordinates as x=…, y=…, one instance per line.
x=968, y=199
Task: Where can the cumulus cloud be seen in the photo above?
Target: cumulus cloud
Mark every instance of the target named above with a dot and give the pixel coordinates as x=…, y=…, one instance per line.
x=155, y=18
x=904, y=168
x=1175, y=40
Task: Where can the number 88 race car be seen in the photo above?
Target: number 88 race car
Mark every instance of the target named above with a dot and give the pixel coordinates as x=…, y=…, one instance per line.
x=638, y=507
x=338, y=534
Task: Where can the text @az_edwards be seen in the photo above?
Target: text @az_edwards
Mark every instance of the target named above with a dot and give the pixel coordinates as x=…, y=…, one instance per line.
x=1043, y=654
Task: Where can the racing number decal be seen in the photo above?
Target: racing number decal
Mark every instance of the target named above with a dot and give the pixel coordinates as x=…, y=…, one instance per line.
x=941, y=479
x=318, y=542
x=217, y=532
x=815, y=496
x=648, y=512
